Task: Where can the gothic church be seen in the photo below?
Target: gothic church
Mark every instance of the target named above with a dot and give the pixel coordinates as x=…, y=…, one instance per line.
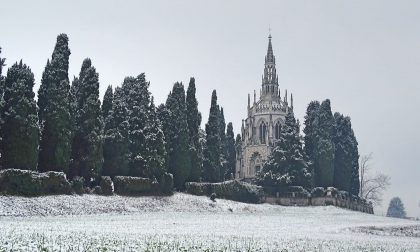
x=264, y=120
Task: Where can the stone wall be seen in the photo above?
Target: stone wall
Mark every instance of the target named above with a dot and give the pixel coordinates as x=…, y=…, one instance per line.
x=331, y=197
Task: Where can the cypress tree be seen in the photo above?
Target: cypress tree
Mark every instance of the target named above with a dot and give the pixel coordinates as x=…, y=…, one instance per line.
x=355, y=180
x=286, y=164
x=2, y=64
x=310, y=134
x=73, y=94
x=230, y=152
x=223, y=150
x=155, y=144
x=179, y=161
x=116, y=143
x=238, y=149
x=324, y=146
x=2, y=80
x=20, y=131
x=211, y=162
x=54, y=110
x=194, y=122
x=137, y=98
x=165, y=120
x=87, y=153
x=343, y=157
x=107, y=102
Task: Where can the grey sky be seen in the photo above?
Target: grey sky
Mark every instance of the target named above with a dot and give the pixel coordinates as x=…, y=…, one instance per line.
x=363, y=55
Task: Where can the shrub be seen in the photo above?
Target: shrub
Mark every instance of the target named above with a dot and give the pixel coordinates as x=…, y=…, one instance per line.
x=213, y=197
x=343, y=195
x=77, y=184
x=55, y=183
x=199, y=189
x=167, y=183
x=332, y=191
x=107, y=186
x=296, y=189
x=19, y=182
x=126, y=185
x=233, y=190
x=31, y=183
x=318, y=192
x=97, y=190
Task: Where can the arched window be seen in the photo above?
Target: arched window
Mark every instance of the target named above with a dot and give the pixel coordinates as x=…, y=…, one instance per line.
x=263, y=132
x=277, y=129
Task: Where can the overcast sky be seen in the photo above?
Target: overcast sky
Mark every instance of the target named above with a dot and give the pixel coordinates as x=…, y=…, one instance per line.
x=363, y=55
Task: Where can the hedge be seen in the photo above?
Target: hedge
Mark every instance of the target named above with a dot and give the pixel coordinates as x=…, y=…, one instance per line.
x=31, y=183
x=318, y=192
x=287, y=191
x=107, y=186
x=167, y=183
x=232, y=189
x=125, y=185
x=77, y=183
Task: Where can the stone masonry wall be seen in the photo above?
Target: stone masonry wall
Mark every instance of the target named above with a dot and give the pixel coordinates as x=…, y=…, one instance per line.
x=329, y=198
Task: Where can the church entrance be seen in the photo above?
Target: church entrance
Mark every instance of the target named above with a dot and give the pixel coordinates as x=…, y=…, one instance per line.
x=255, y=164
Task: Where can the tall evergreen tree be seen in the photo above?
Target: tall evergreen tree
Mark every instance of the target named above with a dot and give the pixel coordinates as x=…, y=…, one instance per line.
x=20, y=133
x=343, y=157
x=155, y=145
x=211, y=162
x=310, y=130
x=2, y=80
x=2, y=64
x=223, y=150
x=355, y=180
x=73, y=96
x=230, y=152
x=164, y=117
x=179, y=161
x=238, y=149
x=137, y=98
x=324, y=146
x=194, y=122
x=116, y=143
x=107, y=102
x=286, y=165
x=54, y=110
x=87, y=153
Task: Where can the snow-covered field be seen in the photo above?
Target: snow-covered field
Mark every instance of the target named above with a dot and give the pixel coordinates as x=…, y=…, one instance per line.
x=190, y=223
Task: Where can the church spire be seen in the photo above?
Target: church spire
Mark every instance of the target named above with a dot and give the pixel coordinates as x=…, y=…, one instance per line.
x=270, y=78
x=270, y=55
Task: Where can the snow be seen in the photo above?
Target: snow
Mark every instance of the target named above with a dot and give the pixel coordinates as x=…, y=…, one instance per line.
x=193, y=223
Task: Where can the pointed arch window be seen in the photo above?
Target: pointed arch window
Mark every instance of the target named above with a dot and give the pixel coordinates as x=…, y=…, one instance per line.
x=263, y=132
x=277, y=129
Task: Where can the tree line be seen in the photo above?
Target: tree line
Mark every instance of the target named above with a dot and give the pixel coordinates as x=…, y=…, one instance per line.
x=69, y=130
x=326, y=156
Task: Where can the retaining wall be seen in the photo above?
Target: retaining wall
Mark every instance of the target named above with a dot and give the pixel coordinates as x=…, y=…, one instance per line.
x=331, y=198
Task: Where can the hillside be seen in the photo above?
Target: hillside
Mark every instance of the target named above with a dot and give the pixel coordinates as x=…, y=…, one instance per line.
x=194, y=223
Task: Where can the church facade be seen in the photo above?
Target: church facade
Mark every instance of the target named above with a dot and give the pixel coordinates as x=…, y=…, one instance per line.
x=265, y=117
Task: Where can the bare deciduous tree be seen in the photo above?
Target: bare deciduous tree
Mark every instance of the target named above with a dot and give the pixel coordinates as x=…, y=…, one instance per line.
x=371, y=186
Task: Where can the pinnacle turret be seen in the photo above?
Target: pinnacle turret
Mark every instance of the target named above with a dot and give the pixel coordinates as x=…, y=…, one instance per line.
x=270, y=78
